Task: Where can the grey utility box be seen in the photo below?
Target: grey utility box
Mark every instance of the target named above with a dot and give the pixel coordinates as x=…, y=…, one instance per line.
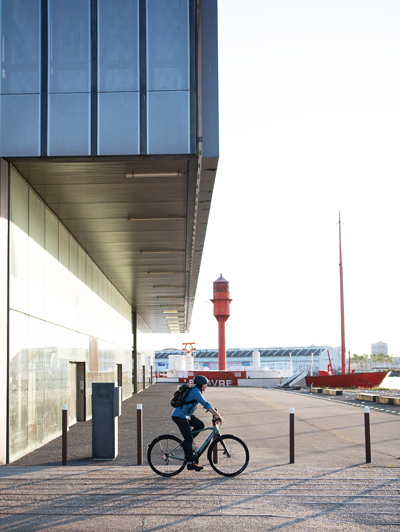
x=106, y=407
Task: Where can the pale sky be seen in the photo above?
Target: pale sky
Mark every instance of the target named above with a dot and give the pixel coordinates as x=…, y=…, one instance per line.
x=309, y=96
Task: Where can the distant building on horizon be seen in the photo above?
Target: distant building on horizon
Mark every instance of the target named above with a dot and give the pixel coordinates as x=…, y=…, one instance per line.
x=315, y=357
x=379, y=347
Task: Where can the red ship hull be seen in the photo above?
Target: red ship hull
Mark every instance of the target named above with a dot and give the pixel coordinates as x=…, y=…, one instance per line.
x=349, y=380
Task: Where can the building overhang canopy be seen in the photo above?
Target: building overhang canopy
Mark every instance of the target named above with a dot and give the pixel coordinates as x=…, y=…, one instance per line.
x=142, y=219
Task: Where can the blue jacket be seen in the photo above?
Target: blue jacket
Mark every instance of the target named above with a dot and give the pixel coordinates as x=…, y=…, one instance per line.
x=188, y=409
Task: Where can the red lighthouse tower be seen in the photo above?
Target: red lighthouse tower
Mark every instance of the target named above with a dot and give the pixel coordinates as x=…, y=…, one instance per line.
x=221, y=312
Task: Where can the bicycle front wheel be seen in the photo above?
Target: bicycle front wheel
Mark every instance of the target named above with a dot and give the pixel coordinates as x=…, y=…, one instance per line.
x=232, y=455
x=165, y=455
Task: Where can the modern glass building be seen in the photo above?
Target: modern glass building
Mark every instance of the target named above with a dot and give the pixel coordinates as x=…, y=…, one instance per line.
x=108, y=155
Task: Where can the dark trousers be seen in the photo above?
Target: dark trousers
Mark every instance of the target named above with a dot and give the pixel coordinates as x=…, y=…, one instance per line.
x=184, y=426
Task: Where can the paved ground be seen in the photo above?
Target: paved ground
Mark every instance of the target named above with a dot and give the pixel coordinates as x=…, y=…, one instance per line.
x=330, y=487
x=349, y=398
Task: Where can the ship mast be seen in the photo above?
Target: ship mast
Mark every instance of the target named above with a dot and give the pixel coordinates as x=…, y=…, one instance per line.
x=342, y=301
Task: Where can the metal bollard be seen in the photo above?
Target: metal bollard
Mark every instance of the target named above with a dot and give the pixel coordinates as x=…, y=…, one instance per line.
x=367, y=435
x=139, y=435
x=291, y=436
x=64, y=434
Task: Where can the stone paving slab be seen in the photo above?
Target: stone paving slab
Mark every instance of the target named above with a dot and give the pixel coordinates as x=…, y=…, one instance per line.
x=330, y=487
x=352, y=398
x=272, y=498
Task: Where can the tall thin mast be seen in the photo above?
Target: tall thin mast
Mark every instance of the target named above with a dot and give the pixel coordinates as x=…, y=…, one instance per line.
x=342, y=301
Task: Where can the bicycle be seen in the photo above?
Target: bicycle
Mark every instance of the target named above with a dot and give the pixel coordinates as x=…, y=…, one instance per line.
x=227, y=454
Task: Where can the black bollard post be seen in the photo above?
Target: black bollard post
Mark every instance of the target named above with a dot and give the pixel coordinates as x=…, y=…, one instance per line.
x=139, y=435
x=291, y=436
x=64, y=434
x=367, y=435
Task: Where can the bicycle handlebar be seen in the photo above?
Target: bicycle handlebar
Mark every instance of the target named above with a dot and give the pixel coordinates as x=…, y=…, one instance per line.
x=215, y=419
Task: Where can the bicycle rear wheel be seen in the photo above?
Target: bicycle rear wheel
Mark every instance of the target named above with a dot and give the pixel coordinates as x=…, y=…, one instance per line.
x=166, y=456
x=232, y=455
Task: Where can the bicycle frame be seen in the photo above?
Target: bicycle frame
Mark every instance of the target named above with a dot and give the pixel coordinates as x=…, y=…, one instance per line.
x=214, y=432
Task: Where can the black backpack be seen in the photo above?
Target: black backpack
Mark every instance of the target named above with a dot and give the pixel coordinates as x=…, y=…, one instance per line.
x=179, y=397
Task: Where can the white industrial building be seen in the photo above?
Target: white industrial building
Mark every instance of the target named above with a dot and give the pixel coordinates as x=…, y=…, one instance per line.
x=299, y=358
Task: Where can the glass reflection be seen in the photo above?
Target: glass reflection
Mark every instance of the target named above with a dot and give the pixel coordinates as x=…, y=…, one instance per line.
x=118, y=46
x=69, y=46
x=69, y=128
x=19, y=125
x=168, y=122
x=119, y=123
x=20, y=48
x=18, y=399
x=54, y=329
x=167, y=45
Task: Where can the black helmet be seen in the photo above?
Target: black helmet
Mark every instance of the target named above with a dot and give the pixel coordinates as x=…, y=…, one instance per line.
x=199, y=380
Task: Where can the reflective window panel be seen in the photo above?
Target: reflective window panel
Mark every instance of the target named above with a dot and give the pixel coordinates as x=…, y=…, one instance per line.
x=20, y=46
x=51, y=236
x=36, y=256
x=168, y=122
x=18, y=399
x=19, y=125
x=69, y=127
x=19, y=243
x=35, y=383
x=69, y=46
x=119, y=123
x=118, y=45
x=167, y=45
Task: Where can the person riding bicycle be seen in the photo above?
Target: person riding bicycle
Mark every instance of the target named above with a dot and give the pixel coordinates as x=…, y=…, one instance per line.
x=184, y=418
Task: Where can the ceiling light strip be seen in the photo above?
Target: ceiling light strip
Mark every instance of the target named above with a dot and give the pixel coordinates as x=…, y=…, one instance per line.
x=133, y=175
x=132, y=219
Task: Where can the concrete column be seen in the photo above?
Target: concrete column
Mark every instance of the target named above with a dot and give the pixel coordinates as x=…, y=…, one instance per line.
x=4, y=308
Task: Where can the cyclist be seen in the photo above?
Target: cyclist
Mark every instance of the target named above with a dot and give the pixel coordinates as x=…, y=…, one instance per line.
x=184, y=418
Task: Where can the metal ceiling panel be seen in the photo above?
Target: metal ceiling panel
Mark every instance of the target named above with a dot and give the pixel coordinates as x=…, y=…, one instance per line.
x=154, y=259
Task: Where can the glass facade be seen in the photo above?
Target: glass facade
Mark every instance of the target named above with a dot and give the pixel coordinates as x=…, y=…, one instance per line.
x=69, y=77
x=86, y=78
x=69, y=46
x=118, y=45
x=63, y=311
x=20, y=77
x=168, y=45
x=69, y=124
x=168, y=115
x=20, y=47
x=121, y=108
x=168, y=77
